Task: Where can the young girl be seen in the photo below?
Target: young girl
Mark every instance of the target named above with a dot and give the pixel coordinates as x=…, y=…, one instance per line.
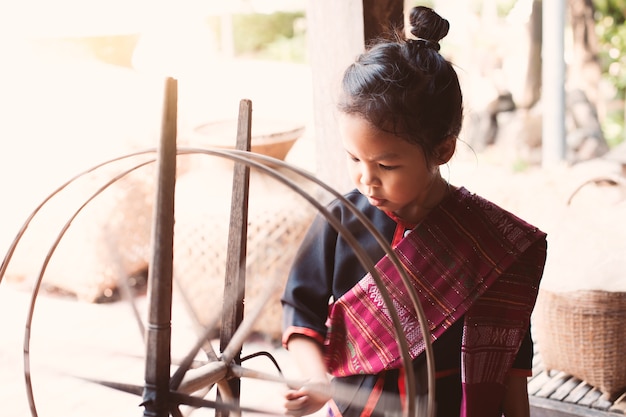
x=475, y=266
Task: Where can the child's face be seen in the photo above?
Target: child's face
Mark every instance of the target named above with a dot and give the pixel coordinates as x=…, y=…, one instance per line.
x=392, y=173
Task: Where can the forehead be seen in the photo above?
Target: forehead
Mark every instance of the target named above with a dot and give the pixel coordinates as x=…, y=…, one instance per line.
x=361, y=138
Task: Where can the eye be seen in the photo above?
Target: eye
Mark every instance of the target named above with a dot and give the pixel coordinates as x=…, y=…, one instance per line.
x=353, y=158
x=387, y=167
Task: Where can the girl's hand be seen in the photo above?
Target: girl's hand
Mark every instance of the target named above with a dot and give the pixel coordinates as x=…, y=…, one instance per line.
x=310, y=398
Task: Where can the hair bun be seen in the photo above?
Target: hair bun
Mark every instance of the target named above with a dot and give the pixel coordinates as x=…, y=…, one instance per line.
x=428, y=27
x=425, y=43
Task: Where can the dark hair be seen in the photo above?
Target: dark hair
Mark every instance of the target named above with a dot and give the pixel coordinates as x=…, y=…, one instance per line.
x=405, y=86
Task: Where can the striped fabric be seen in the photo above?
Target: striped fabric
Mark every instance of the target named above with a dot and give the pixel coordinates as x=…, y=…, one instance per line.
x=467, y=258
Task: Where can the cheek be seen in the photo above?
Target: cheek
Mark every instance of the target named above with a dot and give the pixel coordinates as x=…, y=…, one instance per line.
x=353, y=171
x=399, y=186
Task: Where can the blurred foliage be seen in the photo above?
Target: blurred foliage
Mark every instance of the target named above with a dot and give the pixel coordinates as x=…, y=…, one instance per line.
x=505, y=7
x=610, y=18
x=278, y=36
x=286, y=49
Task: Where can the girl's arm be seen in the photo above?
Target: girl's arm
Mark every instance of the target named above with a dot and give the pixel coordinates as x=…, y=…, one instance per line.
x=315, y=393
x=516, y=397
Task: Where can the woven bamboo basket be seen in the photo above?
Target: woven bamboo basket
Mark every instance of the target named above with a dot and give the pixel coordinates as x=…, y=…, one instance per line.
x=278, y=220
x=108, y=239
x=583, y=333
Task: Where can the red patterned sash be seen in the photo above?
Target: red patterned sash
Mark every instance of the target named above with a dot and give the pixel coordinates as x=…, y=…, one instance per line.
x=468, y=257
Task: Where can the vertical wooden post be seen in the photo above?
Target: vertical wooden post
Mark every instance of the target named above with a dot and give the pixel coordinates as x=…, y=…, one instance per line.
x=553, y=83
x=337, y=33
x=235, y=280
x=380, y=16
x=157, y=372
x=335, y=37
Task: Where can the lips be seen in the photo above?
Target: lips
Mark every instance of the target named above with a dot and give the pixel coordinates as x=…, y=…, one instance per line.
x=376, y=201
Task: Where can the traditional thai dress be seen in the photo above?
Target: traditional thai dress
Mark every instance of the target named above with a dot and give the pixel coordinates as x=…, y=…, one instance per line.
x=476, y=269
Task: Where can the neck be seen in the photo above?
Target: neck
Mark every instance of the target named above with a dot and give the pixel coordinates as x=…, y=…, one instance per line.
x=438, y=190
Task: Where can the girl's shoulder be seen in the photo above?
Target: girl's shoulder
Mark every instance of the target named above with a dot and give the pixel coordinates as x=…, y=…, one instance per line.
x=487, y=207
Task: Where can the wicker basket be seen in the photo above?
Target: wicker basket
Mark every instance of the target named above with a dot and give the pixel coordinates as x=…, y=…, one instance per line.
x=278, y=220
x=108, y=239
x=583, y=333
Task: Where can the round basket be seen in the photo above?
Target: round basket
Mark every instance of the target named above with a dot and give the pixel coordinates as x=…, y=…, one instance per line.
x=583, y=333
x=269, y=137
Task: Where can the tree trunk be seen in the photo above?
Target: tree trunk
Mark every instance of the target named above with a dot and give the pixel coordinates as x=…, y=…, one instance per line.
x=532, y=87
x=585, y=71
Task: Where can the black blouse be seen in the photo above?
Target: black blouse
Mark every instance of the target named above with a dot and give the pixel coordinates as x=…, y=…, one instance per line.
x=326, y=267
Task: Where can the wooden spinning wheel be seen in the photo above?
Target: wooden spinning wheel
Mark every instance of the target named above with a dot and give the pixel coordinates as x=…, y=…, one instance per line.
x=182, y=375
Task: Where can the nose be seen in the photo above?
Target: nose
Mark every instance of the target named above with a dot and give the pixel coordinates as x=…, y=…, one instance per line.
x=367, y=176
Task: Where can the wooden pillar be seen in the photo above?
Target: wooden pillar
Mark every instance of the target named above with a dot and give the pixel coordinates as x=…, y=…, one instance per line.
x=553, y=83
x=380, y=16
x=337, y=32
x=335, y=38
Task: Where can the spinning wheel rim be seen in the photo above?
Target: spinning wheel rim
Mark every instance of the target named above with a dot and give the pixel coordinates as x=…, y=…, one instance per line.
x=268, y=166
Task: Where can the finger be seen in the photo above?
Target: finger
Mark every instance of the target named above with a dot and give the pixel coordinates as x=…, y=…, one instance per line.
x=296, y=407
x=294, y=395
x=296, y=404
x=293, y=413
x=308, y=409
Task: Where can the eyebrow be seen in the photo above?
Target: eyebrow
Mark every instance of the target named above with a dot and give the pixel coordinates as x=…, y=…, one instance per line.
x=384, y=157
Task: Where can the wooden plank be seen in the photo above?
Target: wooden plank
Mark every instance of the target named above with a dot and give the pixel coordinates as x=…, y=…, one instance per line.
x=550, y=386
x=619, y=406
x=544, y=407
x=537, y=366
x=578, y=393
x=602, y=403
x=537, y=382
x=565, y=389
x=590, y=398
x=557, y=394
